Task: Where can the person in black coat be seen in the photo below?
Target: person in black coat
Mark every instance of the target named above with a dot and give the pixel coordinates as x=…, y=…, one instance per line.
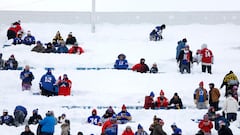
x=185, y=60
x=35, y=118
x=224, y=130
x=70, y=39
x=175, y=102
x=27, y=131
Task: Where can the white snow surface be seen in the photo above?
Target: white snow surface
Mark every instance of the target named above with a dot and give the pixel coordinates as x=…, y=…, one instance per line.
x=117, y=87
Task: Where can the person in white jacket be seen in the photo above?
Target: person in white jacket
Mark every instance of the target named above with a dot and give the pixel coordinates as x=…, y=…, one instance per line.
x=230, y=106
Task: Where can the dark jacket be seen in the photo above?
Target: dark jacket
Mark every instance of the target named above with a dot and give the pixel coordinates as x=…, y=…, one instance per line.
x=26, y=76
x=225, y=131
x=158, y=130
x=34, y=119
x=27, y=133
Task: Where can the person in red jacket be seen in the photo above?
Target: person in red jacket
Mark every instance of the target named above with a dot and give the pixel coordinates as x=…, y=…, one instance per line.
x=110, y=127
x=128, y=131
x=205, y=125
x=76, y=49
x=207, y=59
x=64, y=85
x=141, y=67
x=162, y=101
x=13, y=31
x=149, y=101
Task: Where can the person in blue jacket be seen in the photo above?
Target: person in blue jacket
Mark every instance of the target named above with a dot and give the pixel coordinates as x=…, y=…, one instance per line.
x=94, y=118
x=29, y=39
x=6, y=118
x=26, y=76
x=62, y=48
x=176, y=130
x=124, y=116
x=121, y=62
x=48, y=84
x=20, y=113
x=181, y=45
x=47, y=125
x=18, y=39
x=156, y=34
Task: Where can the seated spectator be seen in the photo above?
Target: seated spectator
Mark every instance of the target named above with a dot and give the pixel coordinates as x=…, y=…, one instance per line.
x=11, y=63
x=176, y=102
x=57, y=39
x=2, y=62
x=162, y=101
x=20, y=113
x=154, y=68
x=149, y=101
x=50, y=48
x=65, y=127
x=211, y=113
x=29, y=39
x=75, y=49
x=39, y=47
x=110, y=127
x=61, y=118
x=176, y=130
x=94, y=118
x=62, y=48
x=219, y=118
x=18, y=39
x=156, y=33
x=205, y=125
x=80, y=133
x=70, y=39
x=35, y=118
x=26, y=76
x=124, y=116
x=141, y=67
x=6, y=118
x=121, y=62
x=108, y=114
x=64, y=86
x=224, y=129
x=140, y=130
x=128, y=131
x=27, y=131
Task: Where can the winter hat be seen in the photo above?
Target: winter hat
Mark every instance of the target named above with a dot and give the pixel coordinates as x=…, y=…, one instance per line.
x=63, y=115
x=65, y=75
x=235, y=87
x=184, y=40
x=211, y=84
x=124, y=107
x=201, y=83
x=113, y=118
x=174, y=125
x=5, y=110
x=175, y=94
x=204, y=46
x=152, y=94
x=35, y=111
x=29, y=32
x=39, y=42
x=12, y=56
x=94, y=111
x=221, y=123
x=161, y=92
x=110, y=110
x=140, y=126
x=205, y=116
x=70, y=33
x=122, y=55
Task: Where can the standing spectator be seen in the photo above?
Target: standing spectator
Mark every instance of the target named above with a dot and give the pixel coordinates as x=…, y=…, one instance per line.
x=57, y=39
x=211, y=113
x=35, y=118
x=205, y=125
x=219, y=118
x=20, y=113
x=75, y=49
x=62, y=48
x=47, y=84
x=50, y=48
x=149, y=101
x=110, y=127
x=124, y=116
x=11, y=63
x=18, y=39
x=224, y=130
x=162, y=101
x=197, y=57
x=176, y=102
x=39, y=47
x=141, y=67
x=48, y=124
x=152, y=126
x=128, y=131
x=27, y=131
x=29, y=39
x=14, y=29
x=121, y=62
x=65, y=128
x=207, y=59
x=200, y=97
x=156, y=34
x=185, y=59
x=230, y=106
x=214, y=96
x=94, y=118
x=229, y=81
x=176, y=130
x=70, y=39
x=154, y=68
x=108, y=114
x=180, y=46
x=64, y=86
x=2, y=62
x=26, y=76
x=62, y=118
x=140, y=130
x=6, y=118
x=158, y=129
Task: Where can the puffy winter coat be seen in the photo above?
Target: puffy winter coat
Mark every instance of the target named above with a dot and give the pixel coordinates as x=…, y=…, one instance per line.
x=162, y=102
x=214, y=95
x=230, y=105
x=26, y=76
x=149, y=102
x=21, y=108
x=205, y=126
x=121, y=64
x=142, y=68
x=48, y=124
x=29, y=40
x=47, y=82
x=127, y=132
